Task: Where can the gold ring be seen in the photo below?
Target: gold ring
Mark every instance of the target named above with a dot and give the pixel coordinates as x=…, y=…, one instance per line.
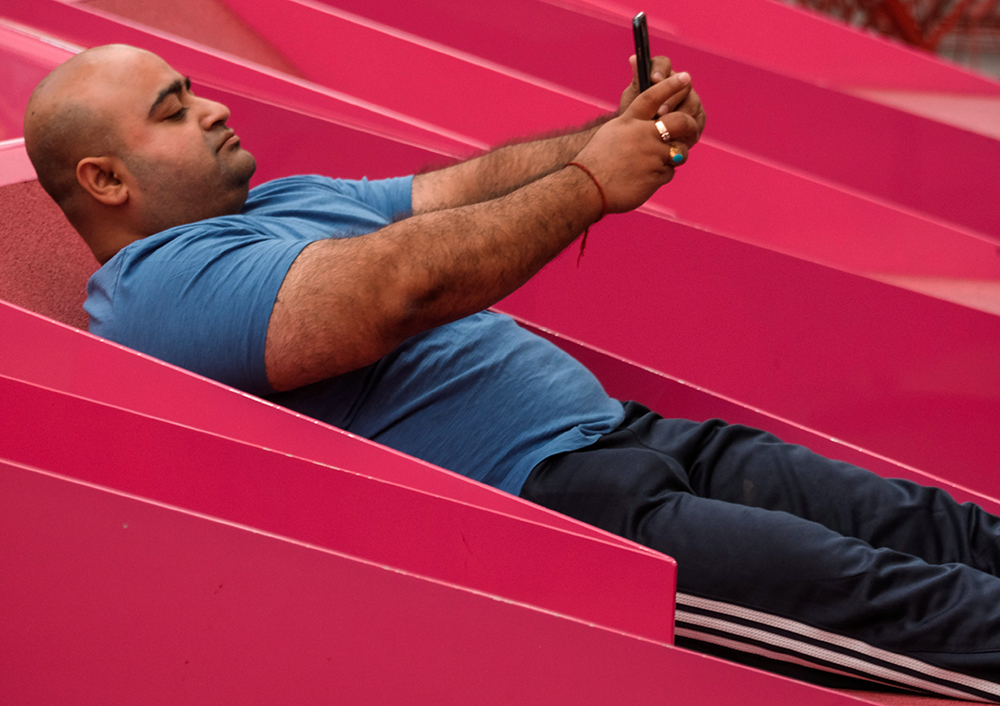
x=662, y=129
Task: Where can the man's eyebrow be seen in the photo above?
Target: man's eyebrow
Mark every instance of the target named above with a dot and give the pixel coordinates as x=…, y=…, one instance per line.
x=174, y=88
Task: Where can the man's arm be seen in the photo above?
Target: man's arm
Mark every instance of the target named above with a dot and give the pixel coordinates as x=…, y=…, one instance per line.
x=345, y=303
x=499, y=171
x=512, y=166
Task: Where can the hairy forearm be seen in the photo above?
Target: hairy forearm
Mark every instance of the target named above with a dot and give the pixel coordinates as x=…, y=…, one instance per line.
x=483, y=252
x=417, y=274
x=345, y=303
x=500, y=171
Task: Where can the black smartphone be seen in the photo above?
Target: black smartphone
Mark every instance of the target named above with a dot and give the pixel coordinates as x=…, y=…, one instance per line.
x=643, y=62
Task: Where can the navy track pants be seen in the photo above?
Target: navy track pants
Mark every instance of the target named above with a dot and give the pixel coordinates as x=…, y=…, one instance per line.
x=788, y=560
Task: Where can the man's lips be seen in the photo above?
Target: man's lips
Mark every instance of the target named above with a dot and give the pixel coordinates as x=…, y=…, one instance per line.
x=229, y=137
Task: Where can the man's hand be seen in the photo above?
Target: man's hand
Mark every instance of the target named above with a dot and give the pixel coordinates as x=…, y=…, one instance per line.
x=689, y=104
x=627, y=156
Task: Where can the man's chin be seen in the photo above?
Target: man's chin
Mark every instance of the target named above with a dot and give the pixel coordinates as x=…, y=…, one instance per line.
x=246, y=169
x=237, y=173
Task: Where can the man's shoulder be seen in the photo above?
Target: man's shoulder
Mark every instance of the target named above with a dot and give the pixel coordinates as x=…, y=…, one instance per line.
x=291, y=183
x=389, y=196
x=187, y=246
x=210, y=233
x=299, y=184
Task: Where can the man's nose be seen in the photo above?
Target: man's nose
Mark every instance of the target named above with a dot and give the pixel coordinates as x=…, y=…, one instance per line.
x=212, y=113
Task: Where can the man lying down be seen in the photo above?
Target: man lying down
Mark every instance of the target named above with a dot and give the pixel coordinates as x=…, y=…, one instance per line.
x=363, y=303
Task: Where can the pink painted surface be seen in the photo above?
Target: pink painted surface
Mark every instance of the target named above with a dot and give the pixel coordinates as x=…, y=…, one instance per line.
x=722, y=190
x=837, y=137
x=898, y=373
x=53, y=356
x=112, y=599
x=49, y=354
x=205, y=21
x=672, y=397
x=52, y=21
x=731, y=195
x=23, y=62
x=614, y=584
x=856, y=359
x=456, y=93
x=798, y=42
x=15, y=167
x=975, y=113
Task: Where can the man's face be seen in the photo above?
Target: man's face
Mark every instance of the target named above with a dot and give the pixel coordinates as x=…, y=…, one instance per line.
x=184, y=163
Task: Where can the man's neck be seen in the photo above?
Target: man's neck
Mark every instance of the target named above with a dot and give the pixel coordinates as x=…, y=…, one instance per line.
x=105, y=243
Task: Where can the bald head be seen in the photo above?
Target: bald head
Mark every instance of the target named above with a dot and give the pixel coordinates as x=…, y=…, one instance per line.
x=65, y=122
x=126, y=148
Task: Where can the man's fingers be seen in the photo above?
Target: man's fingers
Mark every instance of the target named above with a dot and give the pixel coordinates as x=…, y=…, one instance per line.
x=660, y=68
x=677, y=130
x=674, y=101
x=633, y=62
x=647, y=104
x=678, y=154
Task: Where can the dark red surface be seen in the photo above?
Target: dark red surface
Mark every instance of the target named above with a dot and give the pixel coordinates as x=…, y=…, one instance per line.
x=44, y=264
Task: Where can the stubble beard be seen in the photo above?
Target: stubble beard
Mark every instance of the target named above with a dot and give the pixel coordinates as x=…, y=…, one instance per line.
x=174, y=199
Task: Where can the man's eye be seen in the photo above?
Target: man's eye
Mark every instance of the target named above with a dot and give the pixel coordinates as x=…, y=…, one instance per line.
x=179, y=115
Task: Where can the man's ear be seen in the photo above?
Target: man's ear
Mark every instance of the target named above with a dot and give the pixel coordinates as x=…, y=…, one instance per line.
x=101, y=178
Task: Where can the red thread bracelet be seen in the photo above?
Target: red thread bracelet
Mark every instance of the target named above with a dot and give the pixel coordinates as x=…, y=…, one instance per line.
x=604, y=200
x=604, y=205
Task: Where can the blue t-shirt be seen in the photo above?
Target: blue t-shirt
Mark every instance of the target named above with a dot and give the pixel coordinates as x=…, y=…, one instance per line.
x=480, y=396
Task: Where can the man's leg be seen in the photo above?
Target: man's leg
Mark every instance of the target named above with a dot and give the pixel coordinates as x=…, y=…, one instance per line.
x=755, y=578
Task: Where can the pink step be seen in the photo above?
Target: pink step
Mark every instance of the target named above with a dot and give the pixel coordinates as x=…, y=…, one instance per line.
x=801, y=123
x=24, y=61
x=799, y=42
x=724, y=190
x=109, y=598
x=754, y=202
x=52, y=355
x=597, y=578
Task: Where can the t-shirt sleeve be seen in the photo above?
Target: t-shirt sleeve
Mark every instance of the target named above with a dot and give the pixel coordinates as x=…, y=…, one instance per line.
x=390, y=197
x=201, y=300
